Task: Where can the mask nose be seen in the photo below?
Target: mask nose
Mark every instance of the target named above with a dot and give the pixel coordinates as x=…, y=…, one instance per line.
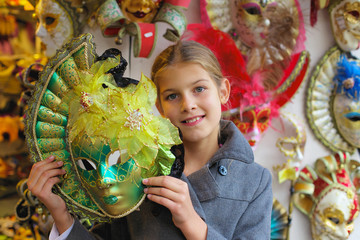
x=40, y=31
x=299, y=155
x=104, y=183
x=106, y=177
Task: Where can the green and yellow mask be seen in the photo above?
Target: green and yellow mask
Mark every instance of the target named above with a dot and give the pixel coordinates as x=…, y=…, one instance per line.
x=85, y=113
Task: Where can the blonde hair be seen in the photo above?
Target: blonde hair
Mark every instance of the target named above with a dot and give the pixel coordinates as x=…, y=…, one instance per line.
x=188, y=52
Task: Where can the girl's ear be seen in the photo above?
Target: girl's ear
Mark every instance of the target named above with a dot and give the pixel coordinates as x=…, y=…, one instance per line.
x=224, y=91
x=159, y=108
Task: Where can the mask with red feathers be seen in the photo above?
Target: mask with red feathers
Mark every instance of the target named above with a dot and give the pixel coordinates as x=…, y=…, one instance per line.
x=270, y=36
x=250, y=106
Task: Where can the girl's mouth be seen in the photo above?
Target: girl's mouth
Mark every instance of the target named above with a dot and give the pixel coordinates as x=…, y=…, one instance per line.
x=193, y=121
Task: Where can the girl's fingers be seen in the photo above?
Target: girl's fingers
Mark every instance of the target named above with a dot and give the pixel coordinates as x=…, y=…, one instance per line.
x=163, y=192
x=176, y=185
x=39, y=168
x=50, y=183
x=37, y=185
x=162, y=201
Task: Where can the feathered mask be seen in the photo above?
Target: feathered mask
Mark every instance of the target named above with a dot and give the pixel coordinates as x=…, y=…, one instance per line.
x=87, y=114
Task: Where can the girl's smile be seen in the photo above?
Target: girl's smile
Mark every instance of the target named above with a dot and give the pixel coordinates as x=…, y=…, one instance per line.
x=193, y=121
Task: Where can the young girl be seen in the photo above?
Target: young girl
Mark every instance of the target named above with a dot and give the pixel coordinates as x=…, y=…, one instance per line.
x=222, y=194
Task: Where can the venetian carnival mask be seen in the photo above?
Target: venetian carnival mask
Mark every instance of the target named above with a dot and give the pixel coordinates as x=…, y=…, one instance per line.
x=114, y=185
x=252, y=123
x=54, y=27
x=333, y=101
x=138, y=18
x=270, y=35
x=101, y=125
x=292, y=146
x=61, y=20
x=346, y=102
x=327, y=195
x=140, y=10
x=250, y=20
x=345, y=22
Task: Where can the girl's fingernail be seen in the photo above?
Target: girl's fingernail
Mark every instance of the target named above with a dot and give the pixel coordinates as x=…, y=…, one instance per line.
x=51, y=157
x=145, y=190
x=60, y=163
x=145, y=181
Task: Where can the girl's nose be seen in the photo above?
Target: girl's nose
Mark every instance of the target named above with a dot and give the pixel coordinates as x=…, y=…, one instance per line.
x=187, y=104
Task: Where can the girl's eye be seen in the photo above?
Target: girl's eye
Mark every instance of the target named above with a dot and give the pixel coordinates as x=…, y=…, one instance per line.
x=171, y=97
x=199, y=89
x=86, y=164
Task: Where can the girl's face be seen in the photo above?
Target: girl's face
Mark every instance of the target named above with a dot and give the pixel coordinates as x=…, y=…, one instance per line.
x=189, y=97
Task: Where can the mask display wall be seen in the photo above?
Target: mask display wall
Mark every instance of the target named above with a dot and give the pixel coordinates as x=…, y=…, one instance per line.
x=333, y=101
x=85, y=113
x=328, y=196
x=138, y=18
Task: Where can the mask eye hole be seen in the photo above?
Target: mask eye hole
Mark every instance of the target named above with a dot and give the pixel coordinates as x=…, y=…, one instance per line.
x=288, y=146
x=86, y=164
x=49, y=20
x=334, y=220
x=355, y=14
x=263, y=119
x=116, y=157
x=253, y=10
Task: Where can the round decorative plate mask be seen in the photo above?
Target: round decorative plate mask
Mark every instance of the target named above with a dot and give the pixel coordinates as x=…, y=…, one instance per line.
x=318, y=102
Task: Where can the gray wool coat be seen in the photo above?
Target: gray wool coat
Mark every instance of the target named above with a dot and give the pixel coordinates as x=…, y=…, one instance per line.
x=231, y=193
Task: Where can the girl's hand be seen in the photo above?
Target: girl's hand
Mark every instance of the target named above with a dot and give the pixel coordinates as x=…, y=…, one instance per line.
x=43, y=176
x=173, y=194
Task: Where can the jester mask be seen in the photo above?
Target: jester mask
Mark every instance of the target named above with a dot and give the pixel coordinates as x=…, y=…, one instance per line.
x=85, y=113
x=139, y=18
x=327, y=194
